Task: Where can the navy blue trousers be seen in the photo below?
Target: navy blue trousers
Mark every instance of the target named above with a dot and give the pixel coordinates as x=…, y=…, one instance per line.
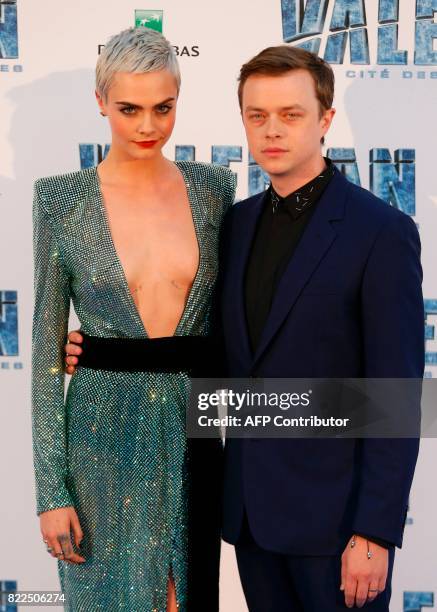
x=274, y=582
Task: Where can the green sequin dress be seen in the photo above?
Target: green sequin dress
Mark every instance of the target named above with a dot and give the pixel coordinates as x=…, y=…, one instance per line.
x=115, y=448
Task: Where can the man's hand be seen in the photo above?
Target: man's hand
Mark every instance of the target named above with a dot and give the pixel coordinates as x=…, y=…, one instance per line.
x=72, y=351
x=362, y=579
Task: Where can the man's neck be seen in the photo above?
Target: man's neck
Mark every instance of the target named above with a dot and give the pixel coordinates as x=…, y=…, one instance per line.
x=284, y=184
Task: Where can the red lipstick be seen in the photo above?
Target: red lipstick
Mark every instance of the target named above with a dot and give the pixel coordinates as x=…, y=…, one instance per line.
x=146, y=144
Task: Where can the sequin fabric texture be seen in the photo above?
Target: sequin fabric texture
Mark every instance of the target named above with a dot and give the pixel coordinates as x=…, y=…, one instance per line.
x=115, y=449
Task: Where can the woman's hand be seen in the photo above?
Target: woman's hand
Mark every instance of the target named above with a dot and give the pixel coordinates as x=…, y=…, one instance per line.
x=56, y=527
x=72, y=351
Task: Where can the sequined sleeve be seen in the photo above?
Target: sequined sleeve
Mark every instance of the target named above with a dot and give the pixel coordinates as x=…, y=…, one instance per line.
x=50, y=321
x=228, y=181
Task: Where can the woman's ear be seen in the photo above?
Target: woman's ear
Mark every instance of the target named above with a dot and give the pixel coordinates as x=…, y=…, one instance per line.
x=100, y=103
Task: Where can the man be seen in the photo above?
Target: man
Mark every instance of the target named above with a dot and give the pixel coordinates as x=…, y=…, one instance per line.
x=319, y=279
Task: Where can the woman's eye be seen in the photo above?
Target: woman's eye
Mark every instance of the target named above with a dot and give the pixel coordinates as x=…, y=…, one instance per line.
x=164, y=109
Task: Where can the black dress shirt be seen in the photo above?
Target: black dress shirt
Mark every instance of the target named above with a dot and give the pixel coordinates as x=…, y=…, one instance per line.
x=280, y=227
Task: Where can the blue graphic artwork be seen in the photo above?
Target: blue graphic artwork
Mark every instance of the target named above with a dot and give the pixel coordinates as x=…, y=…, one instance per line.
x=11, y=587
x=346, y=162
x=92, y=154
x=258, y=179
x=430, y=357
x=348, y=22
x=394, y=182
x=416, y=601
x=8, y=29
x=8, y=324
x=185, y=153
x=224, y=154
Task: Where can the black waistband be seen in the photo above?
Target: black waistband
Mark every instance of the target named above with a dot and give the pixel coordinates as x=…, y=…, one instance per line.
x=196, y=355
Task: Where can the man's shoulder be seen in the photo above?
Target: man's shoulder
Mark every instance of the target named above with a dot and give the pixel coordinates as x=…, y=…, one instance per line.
x=370, y=210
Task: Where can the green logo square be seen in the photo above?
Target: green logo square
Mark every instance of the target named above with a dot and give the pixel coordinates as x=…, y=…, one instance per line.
x=149, y=19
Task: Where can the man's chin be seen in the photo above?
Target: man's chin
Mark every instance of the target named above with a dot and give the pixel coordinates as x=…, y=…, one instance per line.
x=277, y=170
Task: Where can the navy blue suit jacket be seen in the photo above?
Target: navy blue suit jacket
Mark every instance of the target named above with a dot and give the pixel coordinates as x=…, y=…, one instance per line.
x=348, y=305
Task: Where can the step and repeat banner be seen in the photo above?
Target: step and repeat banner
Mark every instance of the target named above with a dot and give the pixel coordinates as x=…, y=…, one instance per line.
x=384, y=55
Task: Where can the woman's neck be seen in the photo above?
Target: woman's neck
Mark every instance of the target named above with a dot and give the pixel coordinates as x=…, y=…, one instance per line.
x=133, y=171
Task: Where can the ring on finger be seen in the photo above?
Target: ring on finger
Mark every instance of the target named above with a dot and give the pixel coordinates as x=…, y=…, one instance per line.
x=49, y=549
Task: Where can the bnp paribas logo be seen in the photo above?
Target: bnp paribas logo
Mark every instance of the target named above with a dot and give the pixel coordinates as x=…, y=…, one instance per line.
x=149, y=19
x=345, y=25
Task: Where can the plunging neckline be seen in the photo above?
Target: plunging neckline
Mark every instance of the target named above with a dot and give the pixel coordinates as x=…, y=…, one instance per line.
x=117, y=260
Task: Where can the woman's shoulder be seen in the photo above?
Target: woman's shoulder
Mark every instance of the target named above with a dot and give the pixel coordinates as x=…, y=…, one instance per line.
x=63, y=191
x=202, y=172
x=218, y=181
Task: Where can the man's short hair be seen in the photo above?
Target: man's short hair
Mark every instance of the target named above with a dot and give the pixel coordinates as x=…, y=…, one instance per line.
x=136, y=50
x=276, y=61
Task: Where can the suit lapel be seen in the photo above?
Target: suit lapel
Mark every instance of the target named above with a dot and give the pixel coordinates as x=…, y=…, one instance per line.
x=241, y=239
x=315, y=242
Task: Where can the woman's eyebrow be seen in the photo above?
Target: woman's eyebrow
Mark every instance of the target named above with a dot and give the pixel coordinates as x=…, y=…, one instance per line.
x=125, y=103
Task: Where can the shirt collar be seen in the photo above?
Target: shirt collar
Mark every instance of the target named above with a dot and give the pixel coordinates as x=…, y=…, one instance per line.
x=297, y=202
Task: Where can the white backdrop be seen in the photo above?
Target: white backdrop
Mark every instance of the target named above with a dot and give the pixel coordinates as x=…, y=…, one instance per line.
x=47, y=111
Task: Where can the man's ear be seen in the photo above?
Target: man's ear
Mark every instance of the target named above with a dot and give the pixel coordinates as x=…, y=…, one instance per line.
x=326, y=119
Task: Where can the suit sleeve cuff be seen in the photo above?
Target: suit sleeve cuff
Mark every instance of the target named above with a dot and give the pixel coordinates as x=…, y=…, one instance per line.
x=383, y=543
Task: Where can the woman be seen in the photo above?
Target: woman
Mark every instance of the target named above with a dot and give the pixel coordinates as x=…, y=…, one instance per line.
x=133, y=243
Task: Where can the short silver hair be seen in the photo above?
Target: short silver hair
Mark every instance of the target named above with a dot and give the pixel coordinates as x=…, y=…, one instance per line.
x=136, y=50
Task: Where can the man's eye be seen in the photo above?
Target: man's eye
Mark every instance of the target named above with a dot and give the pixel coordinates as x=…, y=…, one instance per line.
x=164, y=109
x=128, y=110
x=256, y=116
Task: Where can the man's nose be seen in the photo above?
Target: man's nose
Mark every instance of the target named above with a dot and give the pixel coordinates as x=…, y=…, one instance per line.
x=273, y=127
